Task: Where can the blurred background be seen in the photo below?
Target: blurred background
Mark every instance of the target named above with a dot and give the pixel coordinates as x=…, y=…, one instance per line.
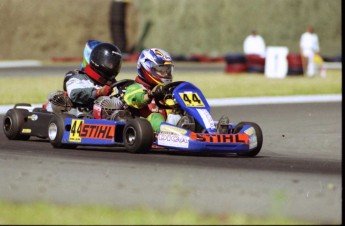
x=47, y=29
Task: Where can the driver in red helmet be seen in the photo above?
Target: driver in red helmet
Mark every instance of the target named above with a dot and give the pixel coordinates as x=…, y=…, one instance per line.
x=86, y=85
x=155, y=69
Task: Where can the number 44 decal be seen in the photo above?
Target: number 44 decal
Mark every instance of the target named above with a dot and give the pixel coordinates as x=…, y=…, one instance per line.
x=76, y=125
x=192, y=99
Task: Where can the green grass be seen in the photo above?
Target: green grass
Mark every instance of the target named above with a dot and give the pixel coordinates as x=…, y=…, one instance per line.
x=45, y=213
x=34, y=89
x=250, y=85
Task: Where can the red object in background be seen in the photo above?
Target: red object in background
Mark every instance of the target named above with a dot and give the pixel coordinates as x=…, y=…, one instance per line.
x=253, y=59
x=200, y=58
x=295, y=66
x=67, y=59
x=217, y=59
x=235, y=68
x=294, y=60
x=255, y=63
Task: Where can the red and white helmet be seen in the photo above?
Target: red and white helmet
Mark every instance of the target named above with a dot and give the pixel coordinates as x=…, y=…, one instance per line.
x=155, y=66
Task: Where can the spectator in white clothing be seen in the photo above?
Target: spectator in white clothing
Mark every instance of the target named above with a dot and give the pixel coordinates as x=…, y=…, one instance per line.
x=254, y=44
x=309, y=46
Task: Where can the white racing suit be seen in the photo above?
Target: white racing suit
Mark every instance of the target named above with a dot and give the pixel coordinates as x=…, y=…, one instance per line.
x=81, y=89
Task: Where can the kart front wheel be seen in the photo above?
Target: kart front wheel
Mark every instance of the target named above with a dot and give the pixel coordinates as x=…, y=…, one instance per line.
x=13, y=123
x=138, y=135
x=255, y=136
x=56, y=130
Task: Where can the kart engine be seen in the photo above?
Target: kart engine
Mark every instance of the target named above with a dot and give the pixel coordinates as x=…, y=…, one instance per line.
x=106, y=107
x=60, y=102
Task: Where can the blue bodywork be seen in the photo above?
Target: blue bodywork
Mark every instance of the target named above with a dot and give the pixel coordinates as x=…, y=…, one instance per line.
x=190, y=99
x=93, y=132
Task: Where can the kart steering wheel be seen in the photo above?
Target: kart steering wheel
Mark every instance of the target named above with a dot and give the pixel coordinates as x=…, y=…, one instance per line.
x=121, y=85
x=167, y=92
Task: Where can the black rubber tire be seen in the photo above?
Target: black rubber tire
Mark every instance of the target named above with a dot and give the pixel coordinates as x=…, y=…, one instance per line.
x=58, y=121
x=138, y=135
x=259, y=138
x=13, y=123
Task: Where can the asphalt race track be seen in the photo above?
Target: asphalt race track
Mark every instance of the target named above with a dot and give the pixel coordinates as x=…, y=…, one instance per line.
x=297, y=173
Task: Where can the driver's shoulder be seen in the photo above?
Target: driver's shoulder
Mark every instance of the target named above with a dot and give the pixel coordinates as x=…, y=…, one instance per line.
x=78, y=74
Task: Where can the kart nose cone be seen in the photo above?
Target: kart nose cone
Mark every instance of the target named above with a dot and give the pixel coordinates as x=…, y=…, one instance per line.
x=52, y=131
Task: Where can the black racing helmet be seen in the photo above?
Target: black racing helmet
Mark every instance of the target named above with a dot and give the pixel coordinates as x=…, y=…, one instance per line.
x=106, y=60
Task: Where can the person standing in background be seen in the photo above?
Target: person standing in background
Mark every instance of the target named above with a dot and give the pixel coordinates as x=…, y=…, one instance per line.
x=254, y=44
x=309, y=47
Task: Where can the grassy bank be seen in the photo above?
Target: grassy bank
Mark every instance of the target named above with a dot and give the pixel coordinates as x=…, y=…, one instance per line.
x=34, y=89
x=45, y=213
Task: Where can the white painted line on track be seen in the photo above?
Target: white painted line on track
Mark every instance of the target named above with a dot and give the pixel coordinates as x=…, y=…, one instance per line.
x=274, y=100
x=20, y=63
x=238, y=101
x=5, y=108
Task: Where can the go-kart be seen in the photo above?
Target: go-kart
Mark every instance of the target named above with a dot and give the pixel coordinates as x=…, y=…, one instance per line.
x=24, y=121
x=199, y=133
x=196, y=131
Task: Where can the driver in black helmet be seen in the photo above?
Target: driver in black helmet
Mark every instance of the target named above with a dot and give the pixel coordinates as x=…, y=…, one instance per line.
x=94, y=80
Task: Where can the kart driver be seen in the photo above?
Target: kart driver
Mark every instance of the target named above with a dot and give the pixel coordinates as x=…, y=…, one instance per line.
x=155, y=69
x=94, y=79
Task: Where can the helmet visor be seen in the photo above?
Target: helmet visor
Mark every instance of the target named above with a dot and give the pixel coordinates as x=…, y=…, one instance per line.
x=163, y=71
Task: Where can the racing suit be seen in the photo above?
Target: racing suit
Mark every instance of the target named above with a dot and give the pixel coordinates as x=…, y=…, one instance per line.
x=81, y=89
x=134, y=97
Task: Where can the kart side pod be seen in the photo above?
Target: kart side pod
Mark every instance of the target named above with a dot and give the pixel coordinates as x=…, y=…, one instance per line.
x=66, y=131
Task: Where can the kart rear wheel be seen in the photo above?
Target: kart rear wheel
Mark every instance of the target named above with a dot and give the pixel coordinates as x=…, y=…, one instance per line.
x=56, y=130
x=259, y=138
x=13, y=123
x=138, y=135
